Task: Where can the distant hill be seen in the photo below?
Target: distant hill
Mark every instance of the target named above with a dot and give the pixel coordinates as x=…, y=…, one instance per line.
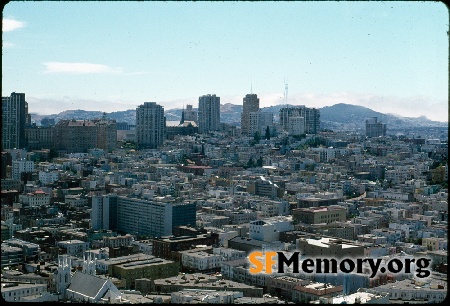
x=354, y=116
x=336, y=117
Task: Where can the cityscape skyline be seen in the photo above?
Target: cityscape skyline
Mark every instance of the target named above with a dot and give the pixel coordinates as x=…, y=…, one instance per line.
x=389, y=56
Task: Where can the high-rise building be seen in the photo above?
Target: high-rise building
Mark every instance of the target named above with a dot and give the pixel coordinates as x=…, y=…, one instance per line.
x=104, y=212
x=150, y=125
x=375, y=128
x=258, y=122
x=189, y=114
x=250, y=104
x=149, y=217
x=208, y=113
x=296, y=126
x=14, y=120
x=311, y=117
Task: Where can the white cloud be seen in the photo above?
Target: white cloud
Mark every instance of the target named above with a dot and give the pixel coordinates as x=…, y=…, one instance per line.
x=79, y=68
x=11, y=24
x=137, y=73
x=6, y=44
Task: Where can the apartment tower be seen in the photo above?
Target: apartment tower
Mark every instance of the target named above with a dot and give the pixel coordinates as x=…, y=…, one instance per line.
x=14, y=121
x=250, y=104
x=208, y=113
x=150, y=125
x=311, y=118
x=374, y=128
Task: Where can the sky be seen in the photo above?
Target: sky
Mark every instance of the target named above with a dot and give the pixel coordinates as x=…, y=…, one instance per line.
x=109, y=56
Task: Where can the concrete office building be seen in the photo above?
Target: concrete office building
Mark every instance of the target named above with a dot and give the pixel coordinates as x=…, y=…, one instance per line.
x=150, y=125
x=147, y=217
x=14, y=120
x=250, y=104
x=208, y=113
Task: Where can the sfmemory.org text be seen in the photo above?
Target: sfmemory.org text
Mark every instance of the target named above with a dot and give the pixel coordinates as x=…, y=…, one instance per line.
x=264, y=262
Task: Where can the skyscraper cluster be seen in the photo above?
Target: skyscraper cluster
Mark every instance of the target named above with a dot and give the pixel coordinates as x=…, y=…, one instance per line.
x=151, y=130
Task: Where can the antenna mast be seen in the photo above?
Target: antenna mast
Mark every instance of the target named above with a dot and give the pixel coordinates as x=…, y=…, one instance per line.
x=285, y=93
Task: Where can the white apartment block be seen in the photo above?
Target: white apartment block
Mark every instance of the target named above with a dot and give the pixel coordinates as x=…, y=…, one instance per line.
x=21, y=166
x=269, y=208
x=73, y=247
x=48, y=177
x=229, y=254
x=296, y=125
x=201, y=261
x=398, y=175
x=118, y=241
x=35, y=199
x=258, y=122
x=270, y=228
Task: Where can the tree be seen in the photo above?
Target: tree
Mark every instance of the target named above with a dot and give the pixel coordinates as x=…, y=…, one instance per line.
x=52, y=154
x=257, y=136
x=250, y=163
x=259, y=162
x=267, y=133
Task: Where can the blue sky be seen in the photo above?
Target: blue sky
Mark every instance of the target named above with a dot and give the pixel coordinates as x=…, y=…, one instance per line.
x=389, y=56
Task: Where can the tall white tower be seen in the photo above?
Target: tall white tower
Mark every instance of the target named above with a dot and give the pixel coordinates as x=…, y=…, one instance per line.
x=63, y=279
x=89, y=262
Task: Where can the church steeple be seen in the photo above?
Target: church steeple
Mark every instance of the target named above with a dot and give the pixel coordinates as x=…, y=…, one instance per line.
x=64, y=276
x=89, y=263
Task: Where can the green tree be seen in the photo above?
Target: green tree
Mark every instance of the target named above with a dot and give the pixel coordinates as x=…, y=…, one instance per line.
x=267, y=133
x=259, y=162
x=250, y=163
x=52, y=154
x=257, y=136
